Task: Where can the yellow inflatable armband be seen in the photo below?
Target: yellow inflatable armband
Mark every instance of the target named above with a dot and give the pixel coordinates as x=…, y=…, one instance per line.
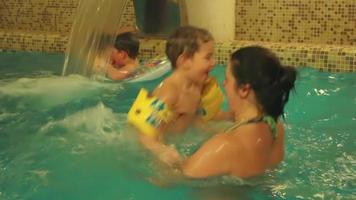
x=212, y=98
x=147, y=113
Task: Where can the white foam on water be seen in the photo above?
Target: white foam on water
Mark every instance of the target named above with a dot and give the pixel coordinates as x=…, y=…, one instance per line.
x=6, y=115
x=54, y=90
x=98, y=122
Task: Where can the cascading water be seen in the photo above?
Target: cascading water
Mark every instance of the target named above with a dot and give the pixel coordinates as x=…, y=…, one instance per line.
x=95, y=26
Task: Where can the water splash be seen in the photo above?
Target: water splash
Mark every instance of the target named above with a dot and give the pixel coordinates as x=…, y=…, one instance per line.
x=95, y=26
x=54, y=90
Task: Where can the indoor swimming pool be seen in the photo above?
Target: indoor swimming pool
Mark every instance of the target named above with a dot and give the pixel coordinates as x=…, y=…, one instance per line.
x=67, y=138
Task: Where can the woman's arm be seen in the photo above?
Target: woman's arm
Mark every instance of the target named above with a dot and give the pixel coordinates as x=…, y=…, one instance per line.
x=212, y=159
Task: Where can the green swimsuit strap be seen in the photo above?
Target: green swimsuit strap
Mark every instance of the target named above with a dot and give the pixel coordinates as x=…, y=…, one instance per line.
x=272, y=125
x=238, y=124
x=267, y=119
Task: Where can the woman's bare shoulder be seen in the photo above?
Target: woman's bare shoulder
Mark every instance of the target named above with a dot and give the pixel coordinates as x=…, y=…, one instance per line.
x=247, y=136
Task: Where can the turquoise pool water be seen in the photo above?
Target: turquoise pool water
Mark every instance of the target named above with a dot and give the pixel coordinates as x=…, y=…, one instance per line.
x=66, y=138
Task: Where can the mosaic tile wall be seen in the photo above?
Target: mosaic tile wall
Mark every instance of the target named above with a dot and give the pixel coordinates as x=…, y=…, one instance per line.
x=323, y=57
x=42, y=25
x=128, y=16
x=302, y=21
x=37, y=15
x=314, y=33
x=150, y=48
x=33, y=41
x=293, y=46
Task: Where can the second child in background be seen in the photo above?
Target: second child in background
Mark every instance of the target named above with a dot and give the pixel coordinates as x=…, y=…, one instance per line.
x=124, y=62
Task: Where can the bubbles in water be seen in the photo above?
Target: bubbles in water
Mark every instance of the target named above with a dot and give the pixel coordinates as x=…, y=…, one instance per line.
x=321, y=92
x=98, y=123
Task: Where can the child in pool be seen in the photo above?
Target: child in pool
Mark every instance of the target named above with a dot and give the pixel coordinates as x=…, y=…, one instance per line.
x=191, y=53
x=123, y=57
x=257, y=88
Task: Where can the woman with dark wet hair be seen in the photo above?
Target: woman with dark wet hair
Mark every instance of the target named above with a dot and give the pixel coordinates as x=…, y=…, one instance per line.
x=257, y=88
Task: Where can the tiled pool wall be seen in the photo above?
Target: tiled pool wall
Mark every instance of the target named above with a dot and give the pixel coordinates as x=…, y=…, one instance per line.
x=318, y=33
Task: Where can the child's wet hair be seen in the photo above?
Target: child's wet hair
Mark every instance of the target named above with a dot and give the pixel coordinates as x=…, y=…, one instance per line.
x=186, y=40
x=127, y=42
x=270, y=81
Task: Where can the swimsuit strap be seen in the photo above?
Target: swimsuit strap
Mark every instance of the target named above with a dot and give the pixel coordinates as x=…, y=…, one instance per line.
x=243, y=122
x=272, y=125
x=267, y=119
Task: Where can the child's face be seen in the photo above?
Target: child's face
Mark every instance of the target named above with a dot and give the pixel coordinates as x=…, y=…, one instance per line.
x=118, y=57
x=202, y=62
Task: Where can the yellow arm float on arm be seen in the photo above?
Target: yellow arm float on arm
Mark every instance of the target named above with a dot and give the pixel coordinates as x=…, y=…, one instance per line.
x=148, y=112
x=212, y=98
